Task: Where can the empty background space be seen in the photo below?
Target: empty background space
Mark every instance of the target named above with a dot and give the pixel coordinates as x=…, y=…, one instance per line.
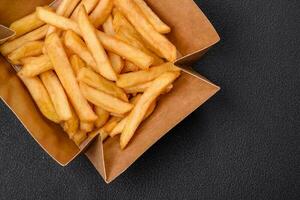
x=242, y=144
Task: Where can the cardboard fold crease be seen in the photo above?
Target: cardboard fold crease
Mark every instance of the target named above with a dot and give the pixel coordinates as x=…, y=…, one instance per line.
x=192, y=34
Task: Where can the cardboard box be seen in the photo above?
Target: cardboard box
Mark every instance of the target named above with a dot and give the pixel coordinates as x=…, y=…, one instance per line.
x=192, y=34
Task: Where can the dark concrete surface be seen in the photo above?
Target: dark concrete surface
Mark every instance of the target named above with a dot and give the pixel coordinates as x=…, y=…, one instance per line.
x=242, y=144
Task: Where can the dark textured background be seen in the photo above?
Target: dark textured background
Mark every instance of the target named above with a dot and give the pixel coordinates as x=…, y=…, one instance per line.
x=242, y=144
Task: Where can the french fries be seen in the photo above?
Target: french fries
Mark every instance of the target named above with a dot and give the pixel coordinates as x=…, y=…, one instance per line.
x=142, y=76
x=83, y=62
x=105, y=101
x=65, y=74
x=57, y=95
x=56, y=20
x=126, y=32
x=92, y=79
x=75, y=43
x=138, y=113
x=162, y=46
x=103, y=116
x=101, y=12
x=94, y=45
x=41, y=97
x=116, y=60
x=128, y=52
x=88, y=4
x=33, y=48
x=154, y=20
x=26, y=24
x=77, y=64
x=10, y=46
x=35, y=66
x=120, y=126
x=65, y=9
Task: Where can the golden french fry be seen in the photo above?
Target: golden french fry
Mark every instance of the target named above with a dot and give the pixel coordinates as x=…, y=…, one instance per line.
x=88, y=4
x=138, y=113
x=87, y=126
x=105, y=101
x=66, y=75
x=32, y=48
x=65, y=9
x=94, y=45
x=111, y=124
x=117, y=115
x=35, y=66
x=129, y=67
x=125, y=50
x=26, y=24
x=56, y=20
x=142, y=87
x=127, y=33
x=162, y=46
x=79, y=137
x=77, y=64
x=103, y=116
x=120, y=126
x=57, y=95
x=93, y=79
x=154, y=20
x=27, y=60
x=101, y=12
x=76, y=44
x=137, y=88
x=143, y=76
x=10, y=46
x=41, y=97
x=116, y=60
x=71, y=126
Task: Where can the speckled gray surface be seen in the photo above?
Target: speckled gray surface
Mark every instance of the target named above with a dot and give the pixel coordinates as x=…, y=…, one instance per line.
x=242, y=144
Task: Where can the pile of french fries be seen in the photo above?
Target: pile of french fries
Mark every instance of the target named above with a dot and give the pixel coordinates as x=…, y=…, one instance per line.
x=94, y=66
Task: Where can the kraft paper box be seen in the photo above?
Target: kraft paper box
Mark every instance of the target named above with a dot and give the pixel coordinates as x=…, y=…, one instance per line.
x=192, y=34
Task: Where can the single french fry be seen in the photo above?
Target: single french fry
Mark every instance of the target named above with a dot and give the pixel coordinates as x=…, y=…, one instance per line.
x=120, y=126
x=103, y=116
x=105, y=101
x=137, y=88
x=111, y=124
x=116, y=60
x=10, y=46
x=71, y=126
x=162, y=46
x=93, y=79
x=127, y=33
x=77, y=64
x=65, y=9
x=41, y=97
x=57, y=95
x=101, y=12
x=129, y=67
x=66, y=75
x=32, y=48
x=56, y=20
x=143, y=76
x=125, y=50
x=27, y=60
x=36, y=66
x=76, y=44
x=87, y=126
x=79, y=137
x=94, y=45
x=154, y=20
x=138, y=113
x=88, y=4
x=26, y=24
